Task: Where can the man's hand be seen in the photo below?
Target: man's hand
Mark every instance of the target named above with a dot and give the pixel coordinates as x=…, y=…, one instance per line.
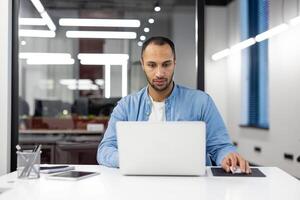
x=232, y=160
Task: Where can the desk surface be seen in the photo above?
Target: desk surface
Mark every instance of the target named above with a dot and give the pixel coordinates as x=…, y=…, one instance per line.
x=113, y=186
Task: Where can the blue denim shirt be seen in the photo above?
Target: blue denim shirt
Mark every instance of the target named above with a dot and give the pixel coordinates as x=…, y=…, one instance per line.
x=183, y=104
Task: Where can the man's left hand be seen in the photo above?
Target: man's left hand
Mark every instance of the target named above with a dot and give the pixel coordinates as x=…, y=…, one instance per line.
x=233, y=160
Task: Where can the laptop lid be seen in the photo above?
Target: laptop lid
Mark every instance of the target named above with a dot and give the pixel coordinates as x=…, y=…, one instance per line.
x=161, y=148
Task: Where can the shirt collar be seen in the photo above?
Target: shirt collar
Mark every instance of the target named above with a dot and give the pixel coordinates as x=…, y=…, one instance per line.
x=171, y=96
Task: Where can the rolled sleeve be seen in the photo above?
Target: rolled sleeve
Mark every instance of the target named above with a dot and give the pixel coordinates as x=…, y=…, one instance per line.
x=218, y=143
x=107, y=153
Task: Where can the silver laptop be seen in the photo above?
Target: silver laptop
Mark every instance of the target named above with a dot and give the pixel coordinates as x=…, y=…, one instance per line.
x=161, y=148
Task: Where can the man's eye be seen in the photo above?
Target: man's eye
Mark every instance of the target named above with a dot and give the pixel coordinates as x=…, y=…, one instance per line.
x=151, y=65
x=166, y=64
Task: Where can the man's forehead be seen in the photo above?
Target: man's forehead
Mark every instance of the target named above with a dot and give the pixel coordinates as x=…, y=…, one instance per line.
x=153, y=50
x=152, y=46
x=154, y=61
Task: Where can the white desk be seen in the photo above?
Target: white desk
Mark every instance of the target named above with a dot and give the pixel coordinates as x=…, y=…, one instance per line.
x=110, y=185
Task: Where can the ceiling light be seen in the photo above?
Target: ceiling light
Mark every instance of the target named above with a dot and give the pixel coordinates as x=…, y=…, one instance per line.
x=23, y=42
x=124, y=79
x=100, y=22
x=101, y=34
x=221, y=54
x=37, y=58
x=99, y=82
x=151, y=21
x=43, y=61
x=29, y=55
x=102, y=59
x=107, y=81
x=32, y=21
x=75, y=81
x=142, y=38
x=140, y=43
x=48, y=21
x=83, y=87
x=146, y=29
x=38, y=5
x=36, y=33
x=242, y=45
x=272, y=32
x=157, y=8
x=68, y=81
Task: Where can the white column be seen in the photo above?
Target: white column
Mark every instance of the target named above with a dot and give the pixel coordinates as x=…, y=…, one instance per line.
x=107, y=81
x=5, y=83
x=124, y=79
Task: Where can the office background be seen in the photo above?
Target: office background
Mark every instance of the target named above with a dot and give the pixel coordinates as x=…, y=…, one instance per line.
x=277, y=145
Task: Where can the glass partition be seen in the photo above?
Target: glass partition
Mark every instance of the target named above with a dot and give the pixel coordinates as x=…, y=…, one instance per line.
x=78, y=58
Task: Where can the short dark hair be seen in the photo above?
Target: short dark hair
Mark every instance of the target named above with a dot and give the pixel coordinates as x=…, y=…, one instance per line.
x=158, y=40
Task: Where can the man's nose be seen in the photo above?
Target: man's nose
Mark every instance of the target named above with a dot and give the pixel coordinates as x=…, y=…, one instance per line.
x=159, y=71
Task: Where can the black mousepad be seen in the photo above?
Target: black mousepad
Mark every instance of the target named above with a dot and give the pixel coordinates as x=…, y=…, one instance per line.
x=220, y=172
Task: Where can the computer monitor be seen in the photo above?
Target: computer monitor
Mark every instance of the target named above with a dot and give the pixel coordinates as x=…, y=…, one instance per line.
x=48, y=108
x=102, y=106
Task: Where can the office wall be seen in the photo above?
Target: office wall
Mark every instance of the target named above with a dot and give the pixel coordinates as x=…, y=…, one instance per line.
x=284, y=72
x=216, y=72
x=183, y=30
x=5, y=74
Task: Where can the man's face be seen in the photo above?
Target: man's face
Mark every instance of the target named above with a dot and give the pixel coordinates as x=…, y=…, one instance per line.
x=158, y=63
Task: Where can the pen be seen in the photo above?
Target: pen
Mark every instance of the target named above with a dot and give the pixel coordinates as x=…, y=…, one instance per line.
x=35, y=148
x=31, y=164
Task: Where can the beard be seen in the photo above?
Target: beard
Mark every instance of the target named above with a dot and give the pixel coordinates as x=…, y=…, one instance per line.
x=160, y=84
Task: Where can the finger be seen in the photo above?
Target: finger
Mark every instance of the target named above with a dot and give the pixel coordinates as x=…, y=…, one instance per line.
x=248, y=169
x=242, y=164
x=233, y=161
x=226, y=164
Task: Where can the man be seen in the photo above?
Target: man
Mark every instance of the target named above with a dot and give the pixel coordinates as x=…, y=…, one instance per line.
x=163, y=100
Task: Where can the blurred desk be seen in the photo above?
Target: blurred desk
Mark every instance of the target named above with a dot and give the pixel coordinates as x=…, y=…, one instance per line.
x=60, y=131
x=110, y=184
x=76, y=146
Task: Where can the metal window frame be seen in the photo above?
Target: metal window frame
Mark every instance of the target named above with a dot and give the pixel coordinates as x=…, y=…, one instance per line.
x=199, y=29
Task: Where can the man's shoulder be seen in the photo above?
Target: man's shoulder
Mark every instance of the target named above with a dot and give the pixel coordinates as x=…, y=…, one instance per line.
x=183, y=90
x=133, y=97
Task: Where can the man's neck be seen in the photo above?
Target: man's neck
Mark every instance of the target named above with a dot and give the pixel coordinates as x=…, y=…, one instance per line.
x=160, y=96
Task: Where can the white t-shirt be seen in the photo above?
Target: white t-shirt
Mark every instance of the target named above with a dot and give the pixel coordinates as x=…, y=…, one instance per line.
x=158, y=113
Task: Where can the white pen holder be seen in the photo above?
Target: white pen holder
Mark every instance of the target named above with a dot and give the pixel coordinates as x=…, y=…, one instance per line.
x=28, y=164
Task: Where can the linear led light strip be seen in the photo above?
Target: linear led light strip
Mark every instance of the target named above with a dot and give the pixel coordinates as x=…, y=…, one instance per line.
x=83, y=87
x=100, y=22
x=258, y=38
x=102, y=59
x=108, y=60
x=36, y=33
x=47, y=58
x=45, y=20
x=81, y=84
x=75, y=81
x=107, y=81
x=26, y=55
x=101, y=34
x=40, y=8
x=32, y=21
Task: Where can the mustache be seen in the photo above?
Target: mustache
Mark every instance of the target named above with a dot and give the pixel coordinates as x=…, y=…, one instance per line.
x=160, y=79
